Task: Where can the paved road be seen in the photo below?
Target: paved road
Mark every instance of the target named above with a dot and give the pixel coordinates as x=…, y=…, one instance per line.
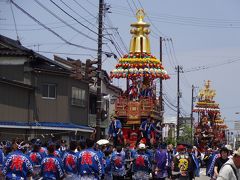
x=202, y=175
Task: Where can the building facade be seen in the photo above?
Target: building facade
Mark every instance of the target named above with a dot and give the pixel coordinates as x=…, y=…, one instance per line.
x=109, y=93
x=39, y=97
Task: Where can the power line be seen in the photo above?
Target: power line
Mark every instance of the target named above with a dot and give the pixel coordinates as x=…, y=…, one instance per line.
x=194, y=19
x=117, y=32
x=198, y=24
x=153, y=34
x=113, y=39
x=168, y=55
x=131, y=8
x=175, y=60
x=151, y=21
x=75, y=35
x=166, y=97
x=134, y=5
x=50, y=23
x=35, y=29
x=78, y=14
x=85, y=8
x=69, y=25
x=49, y=11
x=204, y=67
x=66, y=53
x=76, y=19
x=187, y=23
x=56, y=34
x=170, y=106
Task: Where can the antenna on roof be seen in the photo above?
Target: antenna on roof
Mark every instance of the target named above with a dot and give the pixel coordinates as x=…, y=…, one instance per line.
x=15, y=23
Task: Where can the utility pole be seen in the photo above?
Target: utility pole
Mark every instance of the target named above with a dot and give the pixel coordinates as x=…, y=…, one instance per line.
x=178, y=98
x=192, y=115
x=161, y=85
x=99, y=69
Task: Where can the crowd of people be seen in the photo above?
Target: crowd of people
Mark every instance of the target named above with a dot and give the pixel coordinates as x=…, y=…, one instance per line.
x=90, y=160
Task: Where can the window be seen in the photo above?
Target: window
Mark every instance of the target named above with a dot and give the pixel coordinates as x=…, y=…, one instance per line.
x=78, y=97
x=93, y=104
x=49, y=91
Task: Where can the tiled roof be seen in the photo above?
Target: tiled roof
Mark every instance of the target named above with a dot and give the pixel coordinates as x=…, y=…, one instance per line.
x=15, y=83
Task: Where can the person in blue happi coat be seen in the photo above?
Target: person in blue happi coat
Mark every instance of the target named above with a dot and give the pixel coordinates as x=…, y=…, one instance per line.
x=145, y=129
x=52, y=166
x=36, y=157
x=17, y=165
x=115, y=130
x=162, y=162
x=141, y=164
x=118, y=164
x=107, y=165
x=1, y=160
x=70, y=162
x=89, y=165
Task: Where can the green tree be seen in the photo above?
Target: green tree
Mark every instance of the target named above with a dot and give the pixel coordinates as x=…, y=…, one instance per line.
x=185, y=134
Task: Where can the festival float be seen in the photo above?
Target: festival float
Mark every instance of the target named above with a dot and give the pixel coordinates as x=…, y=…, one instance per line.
x=140, y=68
x=210, y=129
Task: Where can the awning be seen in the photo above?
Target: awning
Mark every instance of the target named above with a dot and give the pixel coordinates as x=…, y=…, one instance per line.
x=47, y=126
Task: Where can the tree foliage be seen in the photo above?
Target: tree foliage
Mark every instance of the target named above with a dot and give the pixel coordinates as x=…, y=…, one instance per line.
x=185, y=135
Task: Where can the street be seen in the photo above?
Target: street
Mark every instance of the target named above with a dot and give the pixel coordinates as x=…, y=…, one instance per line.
x=202, y=175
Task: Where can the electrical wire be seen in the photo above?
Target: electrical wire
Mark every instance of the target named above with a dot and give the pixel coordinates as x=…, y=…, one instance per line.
x=204, y=67
x=148, y=17
x=66, y=53
x=114, y=43
x=135, y=5
x=35, y=29
x=85, y=8
x=175, y=59
x=56, y=34
x=60, y=19
x=170, y=106
x=113, y=39
x=131, y=8
x=78, y=14
x=198, y=22
x=168, y=55
x=117, y=32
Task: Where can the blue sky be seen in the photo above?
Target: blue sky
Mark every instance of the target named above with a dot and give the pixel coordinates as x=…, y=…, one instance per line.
x=204, y=35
